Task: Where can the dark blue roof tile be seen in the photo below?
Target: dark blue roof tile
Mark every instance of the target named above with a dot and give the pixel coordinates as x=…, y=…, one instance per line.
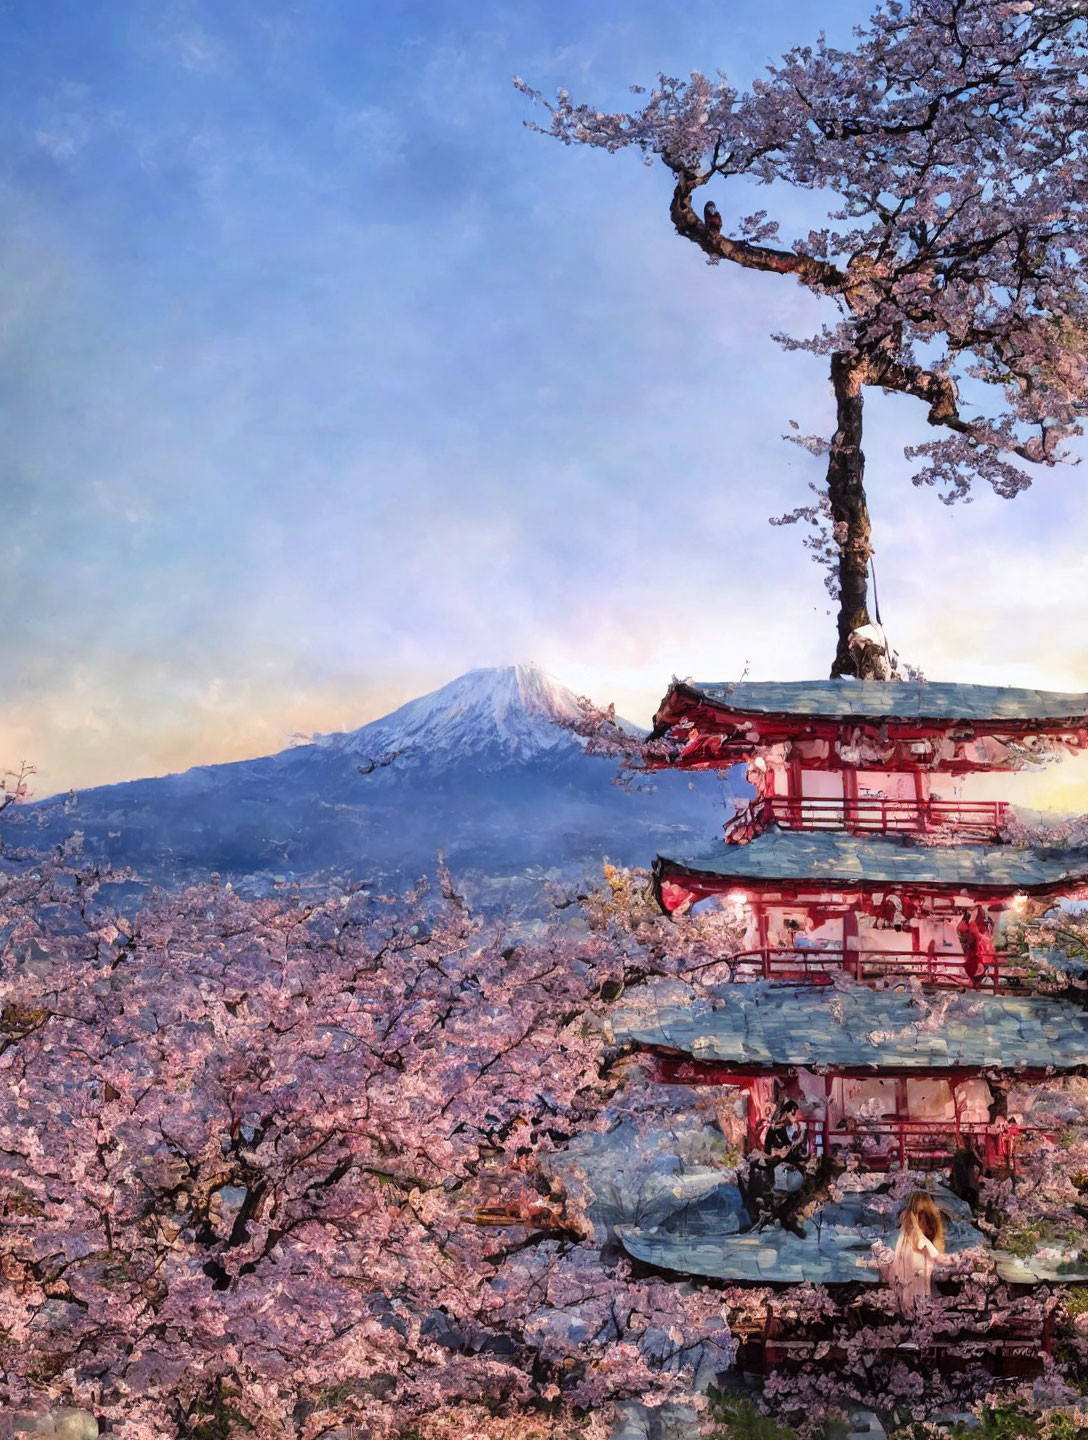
x=878, y=699
x=767, y=1026
x=893, y=860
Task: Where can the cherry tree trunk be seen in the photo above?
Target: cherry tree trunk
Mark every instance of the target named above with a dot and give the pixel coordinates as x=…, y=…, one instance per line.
x=849, y=514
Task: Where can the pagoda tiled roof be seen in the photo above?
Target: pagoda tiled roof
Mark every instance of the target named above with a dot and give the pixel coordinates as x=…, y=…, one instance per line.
x=835, y=1250
x=759, y=1025
x=841, y=859
x=902, y=699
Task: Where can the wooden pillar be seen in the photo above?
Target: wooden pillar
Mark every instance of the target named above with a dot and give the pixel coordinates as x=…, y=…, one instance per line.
x=793, y=790
x=763, y=938
x=920, y=799
x=851, y=959
x=902, y=1111
x=754, y=1117
x=849, y=797
x=995, y=913
x=829, y=1080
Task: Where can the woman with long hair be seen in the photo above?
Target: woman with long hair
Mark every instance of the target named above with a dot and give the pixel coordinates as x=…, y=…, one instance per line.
x=918, y=1251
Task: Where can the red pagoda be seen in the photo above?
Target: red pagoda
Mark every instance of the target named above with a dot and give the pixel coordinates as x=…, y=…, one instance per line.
x=864, y=854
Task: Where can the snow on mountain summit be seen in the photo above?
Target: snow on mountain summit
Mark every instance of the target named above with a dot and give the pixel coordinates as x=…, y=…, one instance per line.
x=481, y=770
x=512, y=712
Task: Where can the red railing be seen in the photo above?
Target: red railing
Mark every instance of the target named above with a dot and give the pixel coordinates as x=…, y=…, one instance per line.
x=973, y=819
x=918, y=1144
x=942, y=968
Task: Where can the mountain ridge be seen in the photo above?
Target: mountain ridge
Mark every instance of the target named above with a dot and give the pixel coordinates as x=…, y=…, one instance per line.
x=485, y=769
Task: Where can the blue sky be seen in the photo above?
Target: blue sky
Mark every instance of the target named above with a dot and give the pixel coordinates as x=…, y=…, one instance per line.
x=324, y=380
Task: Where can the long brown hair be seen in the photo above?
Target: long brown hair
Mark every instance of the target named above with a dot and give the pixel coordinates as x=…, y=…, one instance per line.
x=921, y=1213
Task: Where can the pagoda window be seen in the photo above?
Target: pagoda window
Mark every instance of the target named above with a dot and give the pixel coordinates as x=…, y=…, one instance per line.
x=929, y=1099
x=886, y=785
x=974, y=1099
x=792, y=929
x=769, y=771
x=940, y=933
x=776, y=780
x=884, y=939
x=943, y=786
x=762, y=1098
x=821, y=784
x=947, y=750
x=811, y=750
x=731, y=1108
x=753, y=937
x=813, y=1094
x=859, y=1100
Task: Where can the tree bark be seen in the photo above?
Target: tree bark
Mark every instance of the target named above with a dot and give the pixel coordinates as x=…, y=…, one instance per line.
x=818, y=275
x=849, y=513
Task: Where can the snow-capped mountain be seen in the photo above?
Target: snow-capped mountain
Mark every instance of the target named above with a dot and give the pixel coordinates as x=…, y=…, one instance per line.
x=484, y=769
x=516, y=713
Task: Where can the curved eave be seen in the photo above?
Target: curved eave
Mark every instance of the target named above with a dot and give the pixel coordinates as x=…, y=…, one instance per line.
x=677, y=705
x=687, y=705
x=679, y=1067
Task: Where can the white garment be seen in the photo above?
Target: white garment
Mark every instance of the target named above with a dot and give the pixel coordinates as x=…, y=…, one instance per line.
x=912, y=1269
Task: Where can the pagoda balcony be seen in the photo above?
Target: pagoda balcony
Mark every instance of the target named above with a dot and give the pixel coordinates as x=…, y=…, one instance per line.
x=968, y=819
x=918, y=1144
x=879, y=1142
x=942, y=969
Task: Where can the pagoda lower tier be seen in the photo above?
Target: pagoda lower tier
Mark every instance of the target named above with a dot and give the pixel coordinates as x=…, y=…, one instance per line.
x=835, y=1249
x=894, y=1078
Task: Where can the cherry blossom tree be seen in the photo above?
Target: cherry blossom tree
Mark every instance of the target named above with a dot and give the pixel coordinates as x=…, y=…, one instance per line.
x=300, y=1162
x=15, y=786
x=951, y=144
x=244, y=1147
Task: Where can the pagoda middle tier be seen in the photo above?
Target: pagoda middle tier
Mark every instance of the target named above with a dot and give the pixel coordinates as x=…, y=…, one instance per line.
x=864, y=1062
x=810, y=903
x=875, y=1088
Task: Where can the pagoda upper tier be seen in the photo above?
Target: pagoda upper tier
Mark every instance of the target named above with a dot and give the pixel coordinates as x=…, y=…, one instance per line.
x=868, y=725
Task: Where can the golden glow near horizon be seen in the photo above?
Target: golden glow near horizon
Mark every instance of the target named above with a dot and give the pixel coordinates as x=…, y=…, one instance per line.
x=89, y=737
